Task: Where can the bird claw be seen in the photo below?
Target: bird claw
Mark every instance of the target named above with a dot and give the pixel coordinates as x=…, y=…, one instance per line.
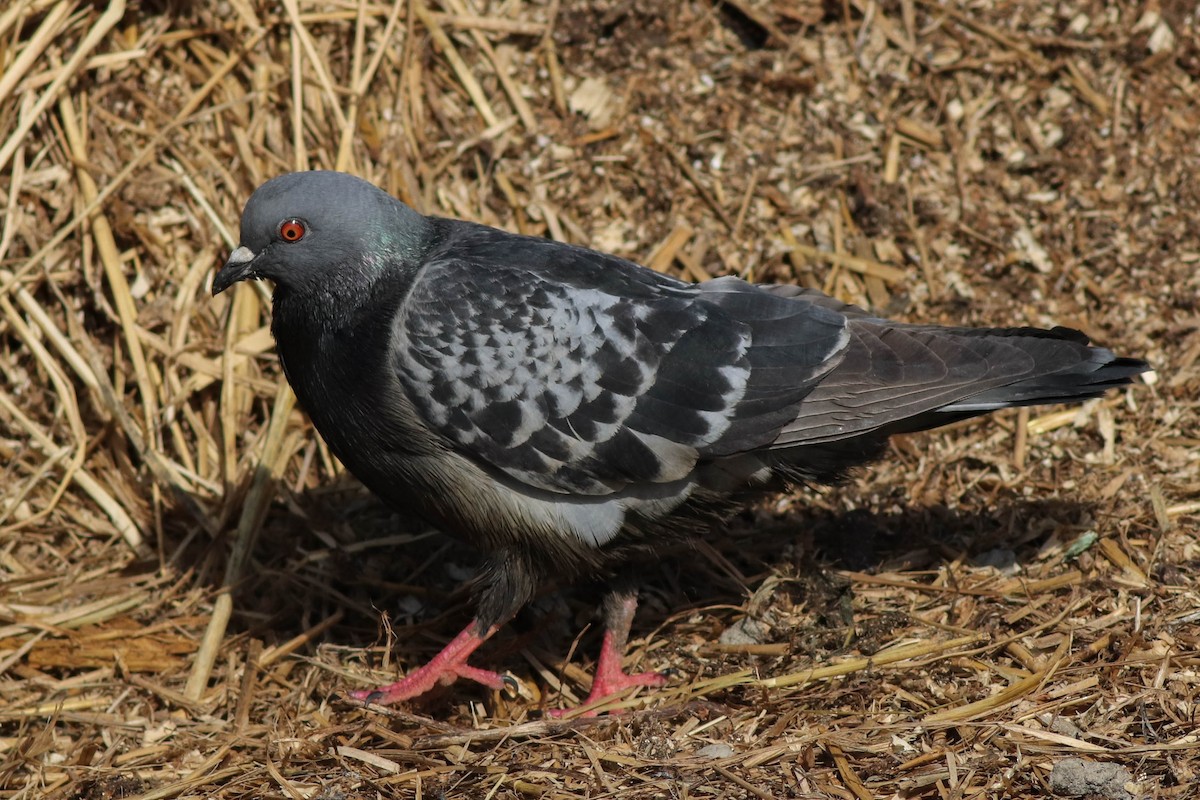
x=365, y=697
x=444, y=668
x=605, y=686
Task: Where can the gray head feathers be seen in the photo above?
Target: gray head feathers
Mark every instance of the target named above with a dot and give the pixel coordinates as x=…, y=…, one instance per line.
x=327, y=232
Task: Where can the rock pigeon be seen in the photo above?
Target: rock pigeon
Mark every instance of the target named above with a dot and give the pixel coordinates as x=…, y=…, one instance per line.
x=567, y=411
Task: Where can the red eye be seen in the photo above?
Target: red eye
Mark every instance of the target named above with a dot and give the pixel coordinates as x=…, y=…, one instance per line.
x=292, y=230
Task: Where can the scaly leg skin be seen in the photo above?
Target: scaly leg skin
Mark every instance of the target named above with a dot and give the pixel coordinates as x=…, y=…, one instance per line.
x=610, y=678
x=444, y=668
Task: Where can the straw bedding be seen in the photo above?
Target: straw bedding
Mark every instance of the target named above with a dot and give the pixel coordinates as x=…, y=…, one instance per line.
x=188, y=579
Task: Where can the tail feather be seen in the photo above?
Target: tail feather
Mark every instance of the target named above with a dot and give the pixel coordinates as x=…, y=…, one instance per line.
x=1066, y=388
x=896, y=378
x=1103, y=371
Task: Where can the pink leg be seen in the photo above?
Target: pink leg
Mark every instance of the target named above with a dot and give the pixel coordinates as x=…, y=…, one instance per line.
x=610, y=678
x=444, y=668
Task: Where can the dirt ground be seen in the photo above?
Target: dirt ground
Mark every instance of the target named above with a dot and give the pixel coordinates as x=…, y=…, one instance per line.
x=189, y=582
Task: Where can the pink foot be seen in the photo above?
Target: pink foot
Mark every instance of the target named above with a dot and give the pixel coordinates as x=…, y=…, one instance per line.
x=610, y=678
x=446, y=667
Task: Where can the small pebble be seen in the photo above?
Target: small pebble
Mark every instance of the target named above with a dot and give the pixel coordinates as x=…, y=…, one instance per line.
x=715, y=751
x=746, y=631
x=1077, y=777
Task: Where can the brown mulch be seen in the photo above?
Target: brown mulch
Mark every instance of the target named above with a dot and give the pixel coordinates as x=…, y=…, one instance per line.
x=189, y=581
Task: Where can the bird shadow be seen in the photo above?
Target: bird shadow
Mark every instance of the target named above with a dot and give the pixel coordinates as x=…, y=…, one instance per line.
x=393, y=583
x=807, y=552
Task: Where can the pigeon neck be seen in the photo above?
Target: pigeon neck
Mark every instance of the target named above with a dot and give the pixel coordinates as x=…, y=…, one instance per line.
x=345, y=299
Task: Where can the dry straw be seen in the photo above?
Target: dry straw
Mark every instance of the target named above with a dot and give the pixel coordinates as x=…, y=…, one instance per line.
x=188, y=579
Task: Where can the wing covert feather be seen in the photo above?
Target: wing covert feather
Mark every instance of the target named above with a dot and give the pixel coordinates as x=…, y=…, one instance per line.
x=562, y=378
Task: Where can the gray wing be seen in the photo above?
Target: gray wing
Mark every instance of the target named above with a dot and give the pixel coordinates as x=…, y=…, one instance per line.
x=581, y=373
x=896, y=377
x=574, y=372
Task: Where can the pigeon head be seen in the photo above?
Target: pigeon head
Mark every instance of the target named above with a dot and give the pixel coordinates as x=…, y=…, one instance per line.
x=322, y=233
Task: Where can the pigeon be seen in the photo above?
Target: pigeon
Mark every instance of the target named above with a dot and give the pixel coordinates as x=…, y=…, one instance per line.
x=569, y=412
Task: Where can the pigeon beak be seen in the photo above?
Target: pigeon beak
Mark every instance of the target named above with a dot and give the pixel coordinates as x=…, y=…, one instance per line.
x=237, y=268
